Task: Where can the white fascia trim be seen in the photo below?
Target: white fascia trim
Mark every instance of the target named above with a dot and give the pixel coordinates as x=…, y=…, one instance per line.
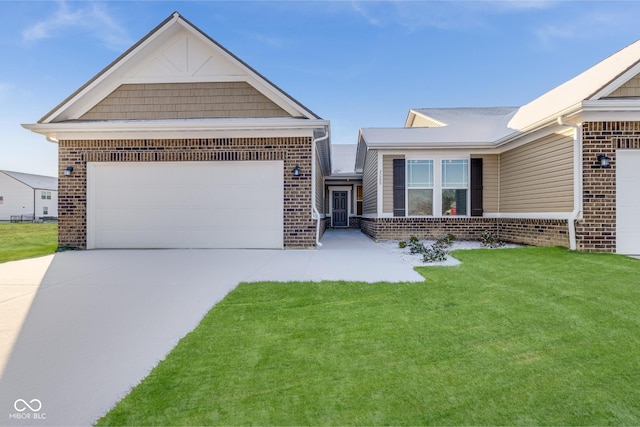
x=431, y=145
x=616, y=83
x=612, y=104
x=170, y=129
x=532, y=215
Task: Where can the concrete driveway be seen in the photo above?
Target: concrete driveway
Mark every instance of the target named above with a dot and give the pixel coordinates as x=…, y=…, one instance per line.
x=79, y=329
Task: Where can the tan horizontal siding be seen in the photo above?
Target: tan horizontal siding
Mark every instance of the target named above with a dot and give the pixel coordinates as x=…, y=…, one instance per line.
x=538, y=177
x=387, y=183
x=370, y=183
x=490, y=180
x=630, y=88
x=184, y=101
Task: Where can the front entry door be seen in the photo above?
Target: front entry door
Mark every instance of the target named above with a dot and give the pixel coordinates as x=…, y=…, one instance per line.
x=339, y=209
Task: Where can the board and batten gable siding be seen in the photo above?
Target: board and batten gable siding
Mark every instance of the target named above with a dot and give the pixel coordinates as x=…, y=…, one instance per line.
x=630, y=88
x=387, y=183
x=538, y=177
x=370, y=183
x=490, y=182
x=184, y=101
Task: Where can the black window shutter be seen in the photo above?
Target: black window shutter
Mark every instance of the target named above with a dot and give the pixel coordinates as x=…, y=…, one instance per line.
x=398, y=187
x=476, y=187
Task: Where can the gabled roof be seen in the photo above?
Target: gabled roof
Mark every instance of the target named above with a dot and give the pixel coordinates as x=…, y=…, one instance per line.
x=175, y=51
x=37, y=182
x=492, y=127
x=477, y=127
x=595, y=83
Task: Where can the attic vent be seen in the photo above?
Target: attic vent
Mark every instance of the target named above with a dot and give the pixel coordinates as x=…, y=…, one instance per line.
x=626, y=143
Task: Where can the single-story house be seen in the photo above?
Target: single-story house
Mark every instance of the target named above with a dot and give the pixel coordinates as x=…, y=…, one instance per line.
x=561, y=170
x=27, y=197
x=180, y=144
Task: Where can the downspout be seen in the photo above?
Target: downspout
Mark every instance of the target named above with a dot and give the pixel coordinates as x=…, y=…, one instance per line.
x=314, y=213
x=577, y=180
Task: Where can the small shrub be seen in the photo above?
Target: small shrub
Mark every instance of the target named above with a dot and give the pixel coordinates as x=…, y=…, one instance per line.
x=416, y=248
x=435, y=253
x=490, y=240
x=444, y=242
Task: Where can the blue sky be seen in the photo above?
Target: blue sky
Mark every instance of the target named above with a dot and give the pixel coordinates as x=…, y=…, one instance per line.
x=355, y=63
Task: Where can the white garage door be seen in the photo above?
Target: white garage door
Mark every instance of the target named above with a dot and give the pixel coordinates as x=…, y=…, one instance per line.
x=185, y=205
x=628, y=202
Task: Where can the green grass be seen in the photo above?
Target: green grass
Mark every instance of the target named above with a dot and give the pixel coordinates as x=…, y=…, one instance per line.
x=529, y=336
x=20, y=241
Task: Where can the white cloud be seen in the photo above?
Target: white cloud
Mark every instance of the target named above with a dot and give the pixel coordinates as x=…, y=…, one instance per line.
x=444, y=15
x=93, y=19
x=583, y=26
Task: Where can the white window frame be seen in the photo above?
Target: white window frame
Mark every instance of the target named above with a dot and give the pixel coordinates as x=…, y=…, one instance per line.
x=46, y=195
x=45, y=210
x=420, y=187
x=437, y=183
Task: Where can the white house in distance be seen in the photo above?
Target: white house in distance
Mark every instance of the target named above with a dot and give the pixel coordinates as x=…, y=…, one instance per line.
x=27, y=197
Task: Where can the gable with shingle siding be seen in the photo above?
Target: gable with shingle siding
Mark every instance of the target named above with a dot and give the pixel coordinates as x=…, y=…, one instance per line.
x=184, y=101
x=630, y=89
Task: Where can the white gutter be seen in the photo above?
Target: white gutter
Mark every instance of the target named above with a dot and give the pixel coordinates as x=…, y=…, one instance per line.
x=577, y=180
x=314, y=213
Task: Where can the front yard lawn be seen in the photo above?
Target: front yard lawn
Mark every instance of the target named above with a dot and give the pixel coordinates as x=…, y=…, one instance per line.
x=20, y=241
x=528, y=336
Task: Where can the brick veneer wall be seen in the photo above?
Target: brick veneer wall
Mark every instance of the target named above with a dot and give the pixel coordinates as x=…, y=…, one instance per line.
x=596, y=231
x=299, y=227
x=523, y=231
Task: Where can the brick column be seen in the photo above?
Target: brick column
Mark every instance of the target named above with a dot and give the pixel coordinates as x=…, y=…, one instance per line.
x=596, y=232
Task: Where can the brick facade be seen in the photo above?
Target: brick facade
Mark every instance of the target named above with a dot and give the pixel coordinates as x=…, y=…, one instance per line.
x=299, y=227
x=596, y=231
x=523, y=231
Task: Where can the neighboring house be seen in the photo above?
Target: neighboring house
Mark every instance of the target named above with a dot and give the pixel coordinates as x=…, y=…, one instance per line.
x=27, y=197
x=561, y=170
x=180, y=144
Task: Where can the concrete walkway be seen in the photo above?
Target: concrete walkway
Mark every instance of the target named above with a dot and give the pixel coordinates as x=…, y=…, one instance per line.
x=79, y=329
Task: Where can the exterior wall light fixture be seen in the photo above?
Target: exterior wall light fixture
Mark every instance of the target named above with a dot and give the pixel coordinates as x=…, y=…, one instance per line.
x=296, y=171
x=604, y=161
x=68, y=170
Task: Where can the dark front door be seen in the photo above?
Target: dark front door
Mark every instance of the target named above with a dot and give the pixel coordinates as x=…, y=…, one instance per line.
x=340, y=209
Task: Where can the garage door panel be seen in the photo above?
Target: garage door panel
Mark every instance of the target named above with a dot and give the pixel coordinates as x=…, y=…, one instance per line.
x=628, y=202
x=185, y=205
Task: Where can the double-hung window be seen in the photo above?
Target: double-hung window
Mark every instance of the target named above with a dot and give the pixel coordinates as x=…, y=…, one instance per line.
x=437, y=187
x=455, y=184
x=420, y=187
